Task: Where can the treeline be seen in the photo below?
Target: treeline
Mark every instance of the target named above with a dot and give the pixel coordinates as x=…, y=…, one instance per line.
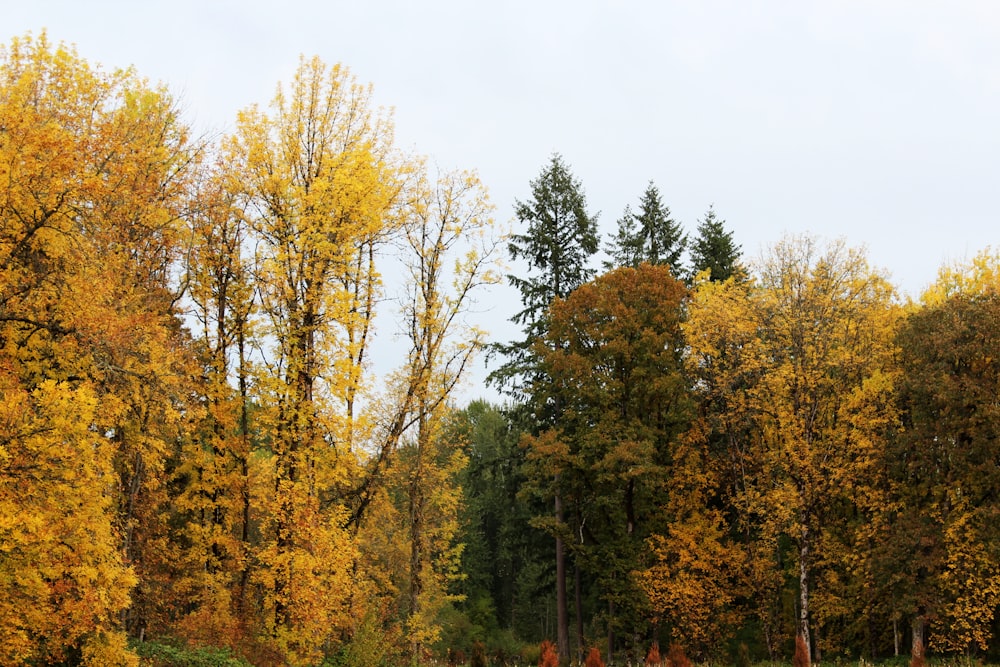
x=736, y=457
x=196, y=451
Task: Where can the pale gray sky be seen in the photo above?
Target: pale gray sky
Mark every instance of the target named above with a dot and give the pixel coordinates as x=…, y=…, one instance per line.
x=876, y=121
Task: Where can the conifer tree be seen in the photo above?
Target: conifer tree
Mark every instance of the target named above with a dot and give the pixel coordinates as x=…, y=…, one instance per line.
x=559, y=241
x=650, y=235
x=714, y=249
x=557, y=245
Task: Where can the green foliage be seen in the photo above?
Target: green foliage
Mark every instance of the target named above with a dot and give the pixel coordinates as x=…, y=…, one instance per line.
x=370, y=646
x=650, y=236
x=174, y=654
x=714, y=249
x=557, y=245
x=613, y=445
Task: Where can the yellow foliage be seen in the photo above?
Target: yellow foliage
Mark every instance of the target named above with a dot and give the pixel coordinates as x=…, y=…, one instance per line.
x=798, y=370
x=61, y=576
x=108, y=649
x=981, y=275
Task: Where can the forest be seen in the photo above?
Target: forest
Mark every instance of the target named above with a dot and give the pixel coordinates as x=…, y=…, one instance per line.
x=230, y=431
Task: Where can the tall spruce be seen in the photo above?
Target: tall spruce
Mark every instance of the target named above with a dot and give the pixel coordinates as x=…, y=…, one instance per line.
x=650, y=235
x=714, y=249
x=557, y=244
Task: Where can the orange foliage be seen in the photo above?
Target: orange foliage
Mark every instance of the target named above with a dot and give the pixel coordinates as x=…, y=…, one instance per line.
x=653, y=658
x=549, y=656
x=676, y=656
x=593, y=658
x=801, y=657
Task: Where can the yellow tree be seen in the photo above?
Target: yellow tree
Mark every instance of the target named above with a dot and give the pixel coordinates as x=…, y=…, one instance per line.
x=451, y=251
x=95, y=168
x=213, y=477
x=695, y=570
x=979, y=276
x=944, y=547
x=321, y=185
x=795, y=360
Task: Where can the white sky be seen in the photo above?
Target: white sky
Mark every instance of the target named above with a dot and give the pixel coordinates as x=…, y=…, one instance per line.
x=876, y=121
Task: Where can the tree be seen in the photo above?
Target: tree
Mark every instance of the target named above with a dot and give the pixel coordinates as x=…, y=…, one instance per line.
x=944, y=551
x=320, y=183
x=692, y=571
x=801, y=362
x=452, y=251
x=650, y=236
x=214, y=475
x=612, y=358
x=96, y=169
x=714, y=250
x=560, y=239
x=502, y=552
x=979, y=276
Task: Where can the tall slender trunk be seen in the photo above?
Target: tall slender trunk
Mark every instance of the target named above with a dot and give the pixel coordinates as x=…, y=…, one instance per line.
x=578, y=608
x=244, y=470
x=918, y=645
x=562, y=620
x=417, y=529
x=611, y=631
x=804, y=553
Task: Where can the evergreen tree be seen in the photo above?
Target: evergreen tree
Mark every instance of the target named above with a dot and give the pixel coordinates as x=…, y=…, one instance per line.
x=559, y=240
x=714, y=249
x=650, y=235
x=557, y=245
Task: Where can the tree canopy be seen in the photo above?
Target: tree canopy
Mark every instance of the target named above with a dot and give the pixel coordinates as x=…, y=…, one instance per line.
x=208, y=446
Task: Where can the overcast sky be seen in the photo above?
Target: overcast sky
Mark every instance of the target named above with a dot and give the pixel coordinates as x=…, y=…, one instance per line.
x=878, y=122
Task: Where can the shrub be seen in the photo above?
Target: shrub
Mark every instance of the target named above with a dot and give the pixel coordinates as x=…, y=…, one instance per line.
x=653, y=658
x=594, y=658
x=743, y=656
x=167, y=655
x=801, y=657
x=478, y=655
x=549, y=656
x=530, y=654
x=676, y=656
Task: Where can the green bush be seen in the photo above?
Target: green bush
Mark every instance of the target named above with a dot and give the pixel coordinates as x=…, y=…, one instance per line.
x=165, y=654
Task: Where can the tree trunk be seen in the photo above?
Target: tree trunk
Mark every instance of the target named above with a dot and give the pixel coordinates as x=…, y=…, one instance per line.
x=918, y=646
x=578, y=606
x=611, y=631
x=804, y=589
x=562, y=620
x=417, y=534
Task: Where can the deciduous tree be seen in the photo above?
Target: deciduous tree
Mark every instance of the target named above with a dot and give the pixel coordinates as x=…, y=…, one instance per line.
x=797, y=361
x=612, y=358
x=945, y=546
x=452, y=251
x=321, y=183
x=96, y=169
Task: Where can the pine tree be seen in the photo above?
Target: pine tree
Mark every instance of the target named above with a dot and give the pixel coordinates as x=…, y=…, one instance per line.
x=650, y=235
x=714, y=249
